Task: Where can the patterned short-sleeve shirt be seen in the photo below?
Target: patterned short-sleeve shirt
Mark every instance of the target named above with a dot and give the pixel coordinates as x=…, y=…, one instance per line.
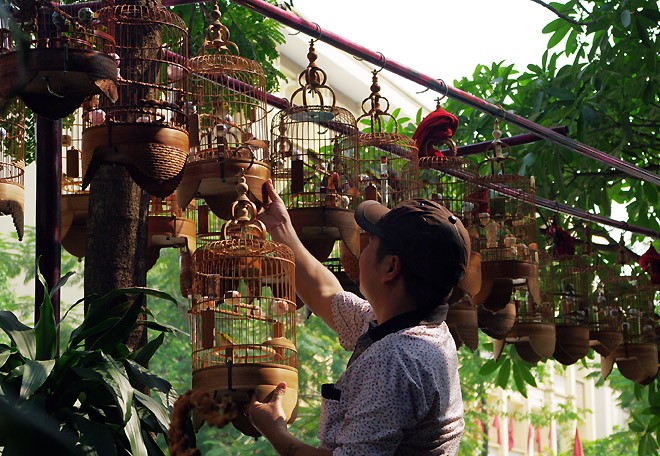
x=401, y=396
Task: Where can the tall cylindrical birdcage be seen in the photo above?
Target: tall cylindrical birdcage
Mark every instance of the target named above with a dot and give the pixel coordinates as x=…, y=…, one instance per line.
x=506, y=228
x=229, y=127
x=637, y=298
x=75, y=198
x=62, y=60
x=387, y=163
x=565, y=283
x=146, y=129
x=603, y=313
x=12, y=163
x=315, y=164
x=243, y=313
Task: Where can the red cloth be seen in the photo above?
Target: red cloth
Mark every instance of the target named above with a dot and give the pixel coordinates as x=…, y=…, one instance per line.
x=550, y=436
x=562, y=242
x=650, y=262
x=537, y=438
x=511, y=441
x=496, y=426
x=530, y=436
x=577, y=445
x=438, y=126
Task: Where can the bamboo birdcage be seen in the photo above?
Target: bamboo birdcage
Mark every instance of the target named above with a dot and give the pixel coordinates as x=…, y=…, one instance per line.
x=170, y=226
x=229, y=126
x=315, y=164
x=146, y=129
x=605, y=317
x=564, y=290
x=66, y=59
x=506, y=233
x=387, y=163
x=637, y=297
x=243, y=313
x=75, y=198
x=12, y=164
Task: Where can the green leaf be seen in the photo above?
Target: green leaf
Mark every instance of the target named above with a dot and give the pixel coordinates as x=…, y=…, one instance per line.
x=95, y=438
x=559, y=35
x=117, y=383
x=133, y=432
x=162, y=327
x=488, y=368
x=35, y=374
x=21, y=335
x=143, y=354
x=4, y=356
x=156, y=408
x=121, y=329
x=142, y=376
x=60, y=283
x=625, y=18
x=45, y=331
x=502, y=379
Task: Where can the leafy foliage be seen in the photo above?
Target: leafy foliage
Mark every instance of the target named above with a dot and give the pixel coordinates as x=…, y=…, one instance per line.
x=90, y=398
x=257, y=37
x=600, y=81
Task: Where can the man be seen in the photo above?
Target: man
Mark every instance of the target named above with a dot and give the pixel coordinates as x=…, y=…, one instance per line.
x=400, y=393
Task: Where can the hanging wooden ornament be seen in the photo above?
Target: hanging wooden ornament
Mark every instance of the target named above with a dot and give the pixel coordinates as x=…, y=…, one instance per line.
x=75, y=199
x=146, y=130
x=243, y=312
x=315, y=165
x=229, y=134
x=12, y=164
x=66, y=59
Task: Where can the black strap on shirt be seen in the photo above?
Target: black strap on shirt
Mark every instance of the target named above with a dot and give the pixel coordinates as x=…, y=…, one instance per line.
x=376, y=332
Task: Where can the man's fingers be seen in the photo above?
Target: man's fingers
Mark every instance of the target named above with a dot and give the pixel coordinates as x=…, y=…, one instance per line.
x=272, y=194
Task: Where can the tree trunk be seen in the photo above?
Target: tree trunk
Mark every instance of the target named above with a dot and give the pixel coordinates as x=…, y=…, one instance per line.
x=117, y=218
x=116, y=235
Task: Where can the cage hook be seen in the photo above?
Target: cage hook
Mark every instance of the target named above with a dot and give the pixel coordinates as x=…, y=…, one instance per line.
x=383, y=62
x=318, y=30
x=51, y=91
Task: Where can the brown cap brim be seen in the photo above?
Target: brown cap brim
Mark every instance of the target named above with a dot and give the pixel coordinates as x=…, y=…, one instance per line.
x=368, y=214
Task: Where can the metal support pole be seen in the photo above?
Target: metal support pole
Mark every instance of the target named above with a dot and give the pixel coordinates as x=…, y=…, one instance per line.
x=48, y=205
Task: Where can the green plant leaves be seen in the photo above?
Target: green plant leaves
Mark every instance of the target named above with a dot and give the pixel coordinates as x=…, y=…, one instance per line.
x=35, y=374
x=21, y=335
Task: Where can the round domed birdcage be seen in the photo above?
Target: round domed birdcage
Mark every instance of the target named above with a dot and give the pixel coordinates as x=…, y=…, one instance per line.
x=146, y=129
x=244, y=313
x=315, y=164
x=66, y=58
x=12, y=164
x=75, y=198
x=506, y=228
x=229, y=126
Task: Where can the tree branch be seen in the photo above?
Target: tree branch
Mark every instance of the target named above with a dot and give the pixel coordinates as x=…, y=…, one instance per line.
x=562, y=15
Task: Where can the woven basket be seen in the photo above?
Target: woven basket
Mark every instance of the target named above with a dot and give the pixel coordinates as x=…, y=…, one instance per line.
x=153, y=155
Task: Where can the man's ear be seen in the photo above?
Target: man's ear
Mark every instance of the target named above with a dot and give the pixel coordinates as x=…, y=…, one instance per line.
x=393, y=267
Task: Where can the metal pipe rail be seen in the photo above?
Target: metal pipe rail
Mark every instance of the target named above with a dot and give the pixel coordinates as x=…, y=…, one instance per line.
x=376, y=58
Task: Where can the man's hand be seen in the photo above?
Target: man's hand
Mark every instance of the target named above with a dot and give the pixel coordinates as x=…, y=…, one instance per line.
x=275, y=216
x=268, y=417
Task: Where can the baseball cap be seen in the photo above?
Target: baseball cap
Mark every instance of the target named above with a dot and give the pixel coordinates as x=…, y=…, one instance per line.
x=431, y=241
